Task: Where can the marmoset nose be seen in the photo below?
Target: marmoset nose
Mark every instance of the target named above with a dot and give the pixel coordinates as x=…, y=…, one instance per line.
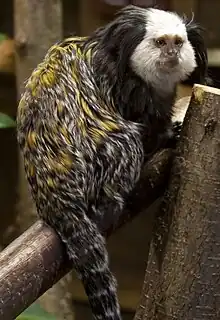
x=171, y=52
x=171, y=55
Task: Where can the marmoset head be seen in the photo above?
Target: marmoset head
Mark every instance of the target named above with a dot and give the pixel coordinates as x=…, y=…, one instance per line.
x=159, y=46
x=165, y=50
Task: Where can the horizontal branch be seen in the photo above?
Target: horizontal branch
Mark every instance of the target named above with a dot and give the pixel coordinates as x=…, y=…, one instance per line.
x=36, y=260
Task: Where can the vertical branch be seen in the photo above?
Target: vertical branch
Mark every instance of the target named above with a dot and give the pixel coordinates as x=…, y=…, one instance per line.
x=182, y=279
x=38, y=25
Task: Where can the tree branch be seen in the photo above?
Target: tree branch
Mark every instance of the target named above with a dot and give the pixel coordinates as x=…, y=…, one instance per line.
x=36, y=260
x=182, y=279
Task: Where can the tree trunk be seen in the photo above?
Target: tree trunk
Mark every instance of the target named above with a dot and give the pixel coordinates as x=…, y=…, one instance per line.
x=38, y=25
x=182, y=279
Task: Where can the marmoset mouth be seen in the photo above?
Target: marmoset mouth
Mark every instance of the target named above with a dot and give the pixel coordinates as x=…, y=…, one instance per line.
x=167, y=65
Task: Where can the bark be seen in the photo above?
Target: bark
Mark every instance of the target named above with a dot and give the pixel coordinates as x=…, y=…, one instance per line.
x=37, y=26
x=182, y=279
x=36, y=260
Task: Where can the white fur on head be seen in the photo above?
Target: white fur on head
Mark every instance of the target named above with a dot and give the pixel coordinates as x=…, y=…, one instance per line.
x=146, y=55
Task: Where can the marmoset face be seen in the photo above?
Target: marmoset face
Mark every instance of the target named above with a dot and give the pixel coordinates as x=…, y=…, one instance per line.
x=165, y=50
x=168, y=49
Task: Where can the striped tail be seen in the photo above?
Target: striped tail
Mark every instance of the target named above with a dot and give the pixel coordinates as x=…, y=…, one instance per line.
x=86, y=248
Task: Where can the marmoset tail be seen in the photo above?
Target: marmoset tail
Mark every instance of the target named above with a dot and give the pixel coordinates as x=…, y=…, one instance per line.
x=90, y=112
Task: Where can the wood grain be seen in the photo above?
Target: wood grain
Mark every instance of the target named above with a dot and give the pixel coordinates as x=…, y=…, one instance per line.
x=182, y=279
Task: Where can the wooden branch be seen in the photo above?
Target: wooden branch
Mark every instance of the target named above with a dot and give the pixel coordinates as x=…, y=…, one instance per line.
x=150, y=187
x=35, y=261
x=182, y=279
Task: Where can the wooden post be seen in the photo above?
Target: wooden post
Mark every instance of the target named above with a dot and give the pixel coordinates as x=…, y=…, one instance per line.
x=182, y=279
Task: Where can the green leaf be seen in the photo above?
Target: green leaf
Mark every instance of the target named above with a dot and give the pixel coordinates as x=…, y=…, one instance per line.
x=30, y=317
x=35, y=312
x=6, y=121
x=3, y=37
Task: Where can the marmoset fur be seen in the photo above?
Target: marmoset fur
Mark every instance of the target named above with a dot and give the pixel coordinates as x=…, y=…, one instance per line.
x=90, y=112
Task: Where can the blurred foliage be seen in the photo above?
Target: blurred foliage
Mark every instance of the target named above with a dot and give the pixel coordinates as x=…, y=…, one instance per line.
x=6, y=121
x=3, y=37
x=35, y=312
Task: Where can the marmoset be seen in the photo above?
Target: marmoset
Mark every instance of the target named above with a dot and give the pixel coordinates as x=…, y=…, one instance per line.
x=90, y=112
